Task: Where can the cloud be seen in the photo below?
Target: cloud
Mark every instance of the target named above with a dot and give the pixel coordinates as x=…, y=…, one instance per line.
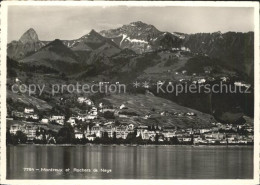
x=105, y=25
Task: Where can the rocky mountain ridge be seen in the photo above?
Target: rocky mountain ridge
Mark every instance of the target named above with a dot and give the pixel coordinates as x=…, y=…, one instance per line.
x=233, y=50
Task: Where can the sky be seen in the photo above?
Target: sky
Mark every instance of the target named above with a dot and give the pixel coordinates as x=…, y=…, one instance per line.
x=66, y=23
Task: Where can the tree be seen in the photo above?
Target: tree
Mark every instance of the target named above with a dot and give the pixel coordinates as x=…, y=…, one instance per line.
x=105, y=135
x=114, y=137
x=8, y=137
x=21, y=137
x=109, y=115
x=11, y=73
x=65, y=135
x=174, y=140
x=63, y=76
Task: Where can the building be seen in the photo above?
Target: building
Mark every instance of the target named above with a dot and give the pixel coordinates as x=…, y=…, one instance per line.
x=45, y=121
x=122, y=106
x=91, y=117
x=72, y=121
x=204, y=130
x=93, y=111
x=18, y=114
x=82, y=117
x=109, y=129
x=121, y=131
x=91, y=137
x=201, y=81
x=16, y=127
x=103, y=110
x=58, y=119
x=28, y=110
x=85, y=100
x=97, y=130
x=197, y=139
x=131, y=127
x=78, y=134
x=147, y=134
x=169, y=132
x=184, y=72
x=30, y=131
x=32, y=116
x=184, y=139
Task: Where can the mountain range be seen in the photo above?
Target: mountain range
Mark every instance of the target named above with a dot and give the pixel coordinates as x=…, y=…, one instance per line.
x=139, y=51
x=234, y=50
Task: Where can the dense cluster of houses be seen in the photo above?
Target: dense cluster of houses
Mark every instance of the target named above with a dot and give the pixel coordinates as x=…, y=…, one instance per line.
x=217, y=134
x=30, y=130
x=184, y=136
x=105, y=130
x=28, y=113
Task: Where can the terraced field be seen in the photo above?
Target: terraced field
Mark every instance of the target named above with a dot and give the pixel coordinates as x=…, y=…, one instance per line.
x=162, y=112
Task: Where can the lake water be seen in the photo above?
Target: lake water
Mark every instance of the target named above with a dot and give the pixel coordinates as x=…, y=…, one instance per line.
x=130, y=162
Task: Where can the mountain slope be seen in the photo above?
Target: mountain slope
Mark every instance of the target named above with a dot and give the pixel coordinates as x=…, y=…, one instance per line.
x=236, y=50
x=54, y=55
x=27, y=44
x=142, y=37
x=90, y=41
x=92, y=47
x=173, y=114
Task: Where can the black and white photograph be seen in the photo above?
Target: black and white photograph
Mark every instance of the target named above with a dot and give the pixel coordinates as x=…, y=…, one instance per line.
x=129, y=91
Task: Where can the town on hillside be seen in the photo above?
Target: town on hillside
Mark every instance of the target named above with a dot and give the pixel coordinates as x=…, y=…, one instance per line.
x=108, y=124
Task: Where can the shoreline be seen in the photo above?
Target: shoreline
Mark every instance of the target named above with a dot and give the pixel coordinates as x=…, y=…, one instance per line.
x=134, y=145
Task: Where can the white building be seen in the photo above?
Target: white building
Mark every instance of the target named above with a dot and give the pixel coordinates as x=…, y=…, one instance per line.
x=58, y=119
x=204, y=130
x=201, y=81
x=16, y=127
x=78, y=135
x=131, y=126
x=93, y=111
x=91, y=117
x=184, y=72
x=34, y=116
x=72, y=121
x=28, y=110
x=160, y=83
x=224, y=79
x=122, y=106
x=45, y=121
x=242, y=84
x=85, y=100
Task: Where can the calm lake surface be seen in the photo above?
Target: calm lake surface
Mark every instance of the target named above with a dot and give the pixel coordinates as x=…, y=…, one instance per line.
x=131, y=162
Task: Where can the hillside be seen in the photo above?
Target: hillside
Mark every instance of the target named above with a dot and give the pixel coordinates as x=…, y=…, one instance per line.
x=27, y=100
x=140, y=52
x=54, y=55
x=235, y=50
x=142, y=37
x=26, y=45
x=162, y=112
